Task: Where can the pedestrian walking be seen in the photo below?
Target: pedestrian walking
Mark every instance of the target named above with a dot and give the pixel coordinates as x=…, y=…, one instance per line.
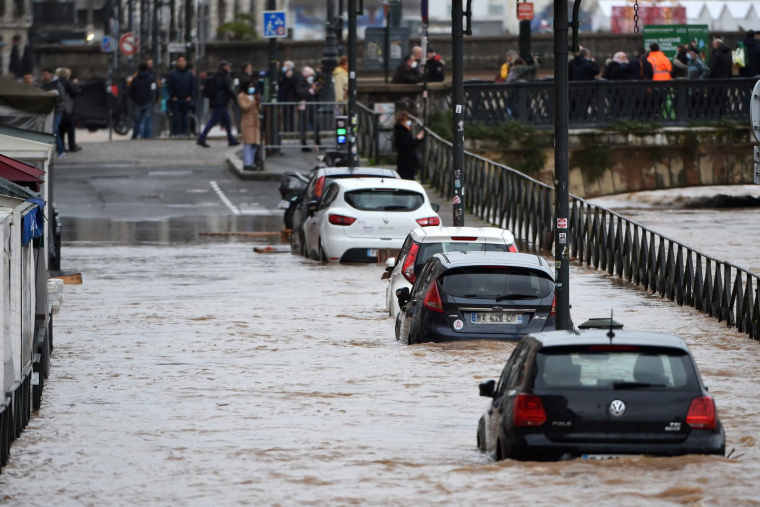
x=680, y=62
x=288, y=93
x=308, y=92
x=50, y=83
x=68, y=119
x=721, y=61
x=16, y=66
x=340, y=80
x=407, y=159
x=697, y=68
x=406, y=72
x=218, y=89
x=512, y=56
x=751, y=48
x=583, y=67
x=249, y=101
x=661, y=65
x=640, y=69
x=181, y=88
x=434, y=67
x=141, y=92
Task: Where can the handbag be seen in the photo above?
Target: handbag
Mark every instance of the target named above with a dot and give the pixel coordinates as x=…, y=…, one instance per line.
x=739, y=57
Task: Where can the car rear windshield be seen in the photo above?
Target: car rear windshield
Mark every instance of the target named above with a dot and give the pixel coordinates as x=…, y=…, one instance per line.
x=384, y=200
x=427, y=250
x=614, y=367
x=501, y=283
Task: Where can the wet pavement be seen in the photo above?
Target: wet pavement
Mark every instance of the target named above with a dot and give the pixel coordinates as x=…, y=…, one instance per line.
x=192, y=370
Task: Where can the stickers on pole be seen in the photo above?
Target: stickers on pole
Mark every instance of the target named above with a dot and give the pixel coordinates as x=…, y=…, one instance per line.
x=456, y=200
x=563, y=237
x=562, y=223
x=459, y=108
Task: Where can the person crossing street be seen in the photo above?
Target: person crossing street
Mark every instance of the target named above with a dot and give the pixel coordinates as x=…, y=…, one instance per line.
x=218, y=89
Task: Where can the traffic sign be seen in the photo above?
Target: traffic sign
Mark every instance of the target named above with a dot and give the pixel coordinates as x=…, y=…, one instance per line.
x=177, y=47
x=128, y=44
x=525, y=11
x=275, y=24
x=106, y=45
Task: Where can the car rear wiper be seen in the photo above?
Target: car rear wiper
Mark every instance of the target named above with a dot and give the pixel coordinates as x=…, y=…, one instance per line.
x=516, y=296
x=635, y=385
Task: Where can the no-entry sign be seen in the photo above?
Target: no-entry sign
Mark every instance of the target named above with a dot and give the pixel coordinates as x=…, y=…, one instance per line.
x=525, y=11
x=128, y=44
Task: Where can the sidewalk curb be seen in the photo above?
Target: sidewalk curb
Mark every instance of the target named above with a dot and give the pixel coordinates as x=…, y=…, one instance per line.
x=236, y=166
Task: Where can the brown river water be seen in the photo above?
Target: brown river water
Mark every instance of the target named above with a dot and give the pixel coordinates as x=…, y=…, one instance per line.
x=207, y=374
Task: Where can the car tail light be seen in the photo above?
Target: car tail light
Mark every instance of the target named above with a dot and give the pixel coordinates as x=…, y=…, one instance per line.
x=512, y=248
x=319, y=187
x=463, y=238
x=433, y=299
x=528, y=411
x=553, y=312
x=341, y=220
x=429, y=221
x=701, y=413
x=408, y=268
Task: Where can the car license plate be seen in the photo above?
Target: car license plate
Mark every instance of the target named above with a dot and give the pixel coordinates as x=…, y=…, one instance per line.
x=496, y=318
x=284, y=204
x=372, y=252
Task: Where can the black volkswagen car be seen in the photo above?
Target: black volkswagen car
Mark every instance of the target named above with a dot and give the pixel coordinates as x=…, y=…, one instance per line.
x=477, y=296
x=564, y=395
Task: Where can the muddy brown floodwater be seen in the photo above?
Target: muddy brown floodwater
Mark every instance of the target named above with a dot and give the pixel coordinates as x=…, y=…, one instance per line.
x=207, y=374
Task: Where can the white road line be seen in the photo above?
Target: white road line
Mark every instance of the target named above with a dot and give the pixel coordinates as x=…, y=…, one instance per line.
x=224, y=198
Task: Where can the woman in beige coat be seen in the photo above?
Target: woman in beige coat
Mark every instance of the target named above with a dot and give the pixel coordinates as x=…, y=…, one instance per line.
x=249, y=101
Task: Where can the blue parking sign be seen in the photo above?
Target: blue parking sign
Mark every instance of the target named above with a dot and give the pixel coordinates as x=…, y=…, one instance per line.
x=106, y=45
x=275, y=24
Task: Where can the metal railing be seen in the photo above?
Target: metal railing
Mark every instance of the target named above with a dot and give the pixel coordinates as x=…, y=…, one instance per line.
x=302, y=124
x=599, y=103
x=597, y=237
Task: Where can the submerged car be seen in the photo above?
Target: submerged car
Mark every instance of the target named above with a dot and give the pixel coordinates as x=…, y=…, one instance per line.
x=477, y=296
x=423, y=243
x=358, y=217
x=594, y=394
x=320, y=180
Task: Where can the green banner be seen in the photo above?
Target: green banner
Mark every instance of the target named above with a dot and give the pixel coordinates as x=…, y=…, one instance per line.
x=669, y=37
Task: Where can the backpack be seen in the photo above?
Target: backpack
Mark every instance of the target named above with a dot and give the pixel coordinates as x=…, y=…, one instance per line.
x=209, y=87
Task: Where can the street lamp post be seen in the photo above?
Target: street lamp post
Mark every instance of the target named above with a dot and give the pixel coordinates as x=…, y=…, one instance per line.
x=353, y=161
x=330, y=54
x=457, y=36
x=561, y=164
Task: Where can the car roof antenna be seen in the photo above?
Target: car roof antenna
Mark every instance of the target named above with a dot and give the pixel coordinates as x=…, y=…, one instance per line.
x=611, y=333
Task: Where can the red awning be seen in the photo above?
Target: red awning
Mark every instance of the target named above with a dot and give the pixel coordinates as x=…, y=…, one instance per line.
x=15, y=171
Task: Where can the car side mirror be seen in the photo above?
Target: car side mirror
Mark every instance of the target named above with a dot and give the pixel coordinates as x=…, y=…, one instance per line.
x=403, y=295
x=313, y=205
x=435, y=207
x=488, y=389
x=390, y=264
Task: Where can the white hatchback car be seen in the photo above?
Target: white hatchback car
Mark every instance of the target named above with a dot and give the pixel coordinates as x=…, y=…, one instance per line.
x=421, y=244
x=359, y=216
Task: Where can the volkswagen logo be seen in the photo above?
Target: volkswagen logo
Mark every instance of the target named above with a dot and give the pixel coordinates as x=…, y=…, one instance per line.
x=617, y=408
x=386, y=219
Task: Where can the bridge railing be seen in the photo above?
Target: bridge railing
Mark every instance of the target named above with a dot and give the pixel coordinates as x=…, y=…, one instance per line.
x=600, y=103
x=596, y=237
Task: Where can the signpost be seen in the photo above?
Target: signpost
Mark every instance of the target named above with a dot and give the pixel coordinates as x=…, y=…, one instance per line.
x=525, y=11
x=275, y=24
x=106, y=46
x=128, y=44
x=374, y=44
x=669, y=37
x=177, y=47
x=754, y=113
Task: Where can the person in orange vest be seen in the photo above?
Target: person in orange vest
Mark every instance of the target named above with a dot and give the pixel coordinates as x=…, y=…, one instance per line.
x=660, y=63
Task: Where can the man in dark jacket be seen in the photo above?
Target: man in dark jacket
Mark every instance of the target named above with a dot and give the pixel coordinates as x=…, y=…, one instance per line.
x=181, y=88
x=721, y=61
x=751, y=56
x=639, y=68
x=16, y=67
x=141, y=92
x=50, y=83
x=290, y=80
x=583, y=67
x=434, y=67
x=405, y=72
x=222, y=94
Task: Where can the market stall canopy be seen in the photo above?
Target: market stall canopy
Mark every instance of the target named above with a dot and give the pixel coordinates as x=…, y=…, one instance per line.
x=728, y=15
x=10, y=189
x=24, y=106
x=20, y=173
x=33, y=222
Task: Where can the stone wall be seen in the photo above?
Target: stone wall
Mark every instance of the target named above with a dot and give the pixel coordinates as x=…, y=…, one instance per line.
x=620, y=163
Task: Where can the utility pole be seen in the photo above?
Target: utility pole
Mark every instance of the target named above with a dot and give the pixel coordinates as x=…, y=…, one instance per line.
x=457, y=37
x=561, y=165
x=156, y=42
x=330, y=54
x=274, y=72
x=353, y=161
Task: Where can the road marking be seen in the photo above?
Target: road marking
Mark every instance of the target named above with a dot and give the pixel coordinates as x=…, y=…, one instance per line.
x=224, y=198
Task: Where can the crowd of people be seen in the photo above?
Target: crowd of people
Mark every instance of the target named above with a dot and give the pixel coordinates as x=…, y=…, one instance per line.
x=413, y=69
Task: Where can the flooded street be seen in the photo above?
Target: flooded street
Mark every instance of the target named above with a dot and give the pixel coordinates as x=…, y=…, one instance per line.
x=210, y=374
x=190, y=370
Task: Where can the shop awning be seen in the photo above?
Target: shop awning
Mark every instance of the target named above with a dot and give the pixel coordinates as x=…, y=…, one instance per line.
x=19, y=172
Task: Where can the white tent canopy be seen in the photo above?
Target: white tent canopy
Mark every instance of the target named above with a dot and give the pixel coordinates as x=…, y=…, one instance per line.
x=720, y=16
